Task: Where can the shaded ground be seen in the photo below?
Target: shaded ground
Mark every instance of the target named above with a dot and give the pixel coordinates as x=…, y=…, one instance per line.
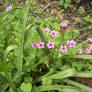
x=85, y=81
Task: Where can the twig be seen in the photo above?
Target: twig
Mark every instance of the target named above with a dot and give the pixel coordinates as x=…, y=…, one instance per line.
x=48, y=5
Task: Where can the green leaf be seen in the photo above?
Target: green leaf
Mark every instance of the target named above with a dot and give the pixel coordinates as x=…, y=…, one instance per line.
x=63, y=74
x=83, y=74
x=26, y=87
x=72, y=90
x=46, y=81
x=35, y=89
x=59, y=75
x=83, y=56
x=8, y=49
x=60, y=88
x=2, y=78
x=68, y=1
x=3, y=66
x=22, y=42
x=61, y=11
x=61, y=2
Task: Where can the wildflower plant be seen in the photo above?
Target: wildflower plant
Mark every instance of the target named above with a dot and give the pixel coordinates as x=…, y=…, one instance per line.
x=34, y=55
x=62, y=47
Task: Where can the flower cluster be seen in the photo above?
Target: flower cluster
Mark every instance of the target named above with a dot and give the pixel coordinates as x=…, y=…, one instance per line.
x=53, y=32
x=49, y=44
x=41, y=44
x=87, y=51
x=71, y=43
x=63, y=48
x=10, y=7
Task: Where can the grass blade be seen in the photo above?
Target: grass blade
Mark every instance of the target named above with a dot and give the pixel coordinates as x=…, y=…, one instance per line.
x=8, y=49
x=63, y=74
x=22, y=40
x=41, y=34
x=60, y=88
x=58, y=75
x=83, y=74
x=83, y=56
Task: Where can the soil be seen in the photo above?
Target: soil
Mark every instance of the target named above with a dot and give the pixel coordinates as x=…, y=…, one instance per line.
x=85, y=81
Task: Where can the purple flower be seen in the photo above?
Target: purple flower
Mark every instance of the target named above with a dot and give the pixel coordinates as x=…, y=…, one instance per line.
x=50, y=44
x=40, y=45
x=64, y=25
x=9, y=8
x=34, y=44
x=80, y=51
x=26, y=2
x=71, y=43
x=46, y=30
x=53, y=33
x=90, y=47
x=90, y=40
x=6, y=3
x=88, y=51
x=63, y=49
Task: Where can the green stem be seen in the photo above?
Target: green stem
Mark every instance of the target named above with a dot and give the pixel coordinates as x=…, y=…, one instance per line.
x=41, y=34
x=53, y=87
x=22, y=40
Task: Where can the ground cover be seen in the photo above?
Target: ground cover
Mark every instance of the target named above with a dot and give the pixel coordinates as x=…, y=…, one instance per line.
x=45, y=46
